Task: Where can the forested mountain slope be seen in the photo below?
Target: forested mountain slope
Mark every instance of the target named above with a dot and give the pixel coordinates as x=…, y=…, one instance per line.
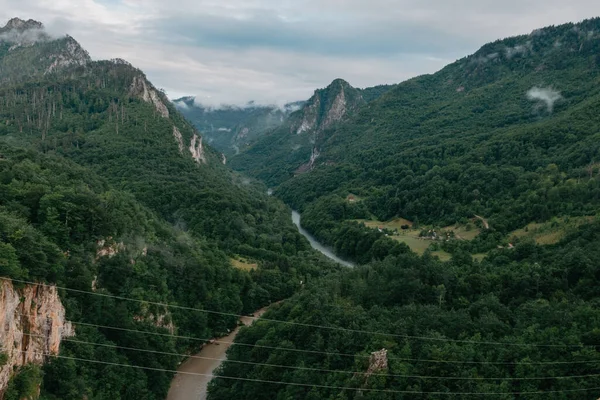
x=234, y=129
x=509, y=133
x=506, y=138
x=294, y=147
x=106, y=187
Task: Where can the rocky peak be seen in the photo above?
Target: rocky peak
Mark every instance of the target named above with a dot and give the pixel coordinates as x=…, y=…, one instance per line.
x=22, y=25
x=328, y=106
x=339, y=83
x=69, y=54
x=23, y=33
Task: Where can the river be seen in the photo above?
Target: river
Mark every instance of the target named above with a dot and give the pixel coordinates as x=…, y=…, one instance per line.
x=315, y=244
x=185, y=385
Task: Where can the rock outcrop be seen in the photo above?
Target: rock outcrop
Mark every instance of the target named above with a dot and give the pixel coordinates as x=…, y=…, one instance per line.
x=377, y=362
x=71, y=54
x=108, y=248
x=142, y=89
x=33, y=324
x=197, y=149
x=179, y=139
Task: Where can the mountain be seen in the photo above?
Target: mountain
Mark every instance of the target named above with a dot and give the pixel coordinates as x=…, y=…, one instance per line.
x=106, y=188
x=294, y=147
x=508, y=134
x=231, y=128
x=26, y=50
x=471, y=197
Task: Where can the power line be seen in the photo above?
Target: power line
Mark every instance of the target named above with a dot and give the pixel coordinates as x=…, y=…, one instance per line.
x=305, y=325
x=309, y=385
x=324, y=352
x=320, y=369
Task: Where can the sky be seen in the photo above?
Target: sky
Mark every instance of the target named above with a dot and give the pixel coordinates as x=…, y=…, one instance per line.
x=277, y=51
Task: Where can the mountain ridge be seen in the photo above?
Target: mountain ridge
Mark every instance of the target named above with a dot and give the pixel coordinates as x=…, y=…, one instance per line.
x=295, y=146
x=105, y=186
x=27, y=50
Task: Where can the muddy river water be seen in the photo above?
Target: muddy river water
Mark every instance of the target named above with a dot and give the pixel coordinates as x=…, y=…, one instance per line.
x=187, y=385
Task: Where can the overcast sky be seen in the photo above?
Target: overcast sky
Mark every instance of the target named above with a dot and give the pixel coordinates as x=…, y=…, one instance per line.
x=274, y=51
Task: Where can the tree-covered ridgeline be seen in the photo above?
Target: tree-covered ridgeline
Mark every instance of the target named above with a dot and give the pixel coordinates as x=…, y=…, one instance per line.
x=509, y=133
x=98, y=194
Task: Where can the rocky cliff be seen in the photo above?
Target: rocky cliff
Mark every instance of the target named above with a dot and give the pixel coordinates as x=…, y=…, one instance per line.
x=32, y=325
x=323, y=110
x=328, y=106
x=27, y=50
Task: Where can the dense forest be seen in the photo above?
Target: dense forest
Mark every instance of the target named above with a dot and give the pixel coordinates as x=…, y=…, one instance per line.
x=106, y=187
x=520, y=324
x=509, y=133
x=506, y=138
x=98, y=190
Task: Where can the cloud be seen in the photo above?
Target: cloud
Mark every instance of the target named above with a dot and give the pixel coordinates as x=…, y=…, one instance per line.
x=28, y=36
x=277, y=51
x=521, y=49
x=545, y=95
x=181, y=105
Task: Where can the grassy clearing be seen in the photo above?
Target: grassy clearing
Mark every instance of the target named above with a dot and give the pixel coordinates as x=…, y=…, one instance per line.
x=550, y=232
x=442, y=255
x=393, y=224
x=411, y=236
x=243, y=264
x=466, y=232
x=417, y=245
x=479, y=256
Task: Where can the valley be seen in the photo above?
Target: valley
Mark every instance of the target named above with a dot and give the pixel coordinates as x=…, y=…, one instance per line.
x=429, y=239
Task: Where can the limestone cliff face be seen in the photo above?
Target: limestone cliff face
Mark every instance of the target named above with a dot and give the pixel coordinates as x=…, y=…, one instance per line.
x=70, y=54
x=322, y=111
x=178, y=138
x=328, y=106
x=32, y=326
x=142, y=89
x=197, y=149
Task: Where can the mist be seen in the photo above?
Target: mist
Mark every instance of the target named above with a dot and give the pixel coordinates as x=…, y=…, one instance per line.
x=548, y=96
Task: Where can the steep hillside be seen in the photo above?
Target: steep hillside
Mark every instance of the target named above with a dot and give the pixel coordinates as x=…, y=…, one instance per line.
x=105, y=187
x=509, y=133
x=27, y=51
x=295, y=147
x=231, y=129
x=449, y=164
